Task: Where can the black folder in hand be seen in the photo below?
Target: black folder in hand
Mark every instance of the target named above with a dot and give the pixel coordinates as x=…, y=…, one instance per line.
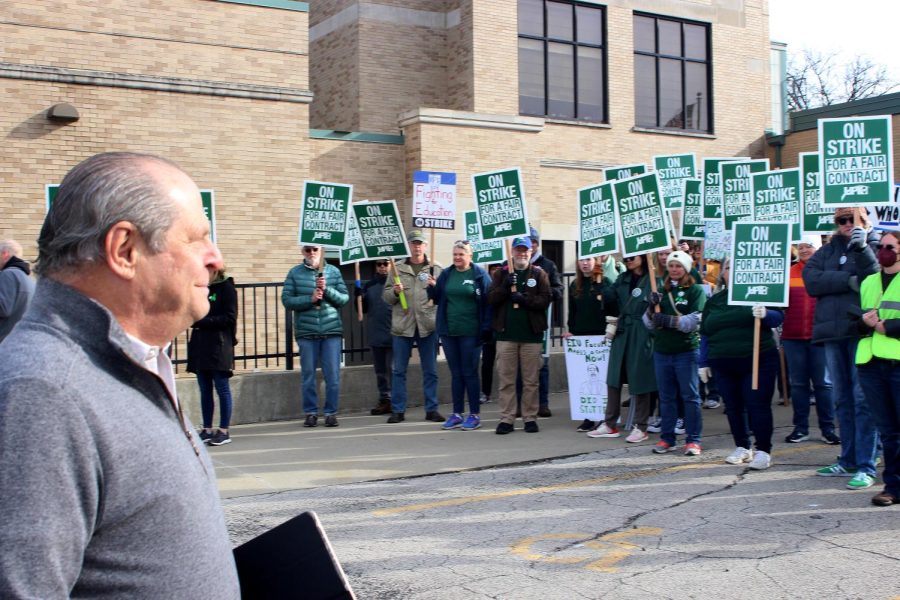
x=292, y=560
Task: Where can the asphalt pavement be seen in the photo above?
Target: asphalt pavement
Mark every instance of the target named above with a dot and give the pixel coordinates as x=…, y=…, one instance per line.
x=417, y=512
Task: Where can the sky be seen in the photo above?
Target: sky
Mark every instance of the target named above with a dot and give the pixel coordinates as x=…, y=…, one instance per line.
x=868, y=27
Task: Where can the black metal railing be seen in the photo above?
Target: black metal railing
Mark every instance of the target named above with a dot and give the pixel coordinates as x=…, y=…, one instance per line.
x=266, y=338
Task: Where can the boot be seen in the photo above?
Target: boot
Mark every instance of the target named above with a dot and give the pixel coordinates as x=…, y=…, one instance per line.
x=383, y=408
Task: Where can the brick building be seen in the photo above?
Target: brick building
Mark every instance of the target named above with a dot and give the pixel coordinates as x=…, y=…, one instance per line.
x=252, y=97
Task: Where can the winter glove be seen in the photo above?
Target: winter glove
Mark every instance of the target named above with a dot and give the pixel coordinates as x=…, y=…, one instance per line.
x=853, y=283
x=511, y=280
x=517, y=297
x=663, y=321
x=759, y=311
x=857, y=239
x=612, y=323
x=654, y=298
x=704, y=373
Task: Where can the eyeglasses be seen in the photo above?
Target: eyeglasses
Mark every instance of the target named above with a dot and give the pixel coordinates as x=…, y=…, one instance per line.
x=382, y=264
x=629, y=258
x=890, y=247
x=309, y=249
x=843, y=220
x=461, y=243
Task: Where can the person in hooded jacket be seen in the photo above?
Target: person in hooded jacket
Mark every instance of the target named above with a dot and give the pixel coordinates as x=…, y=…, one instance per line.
x=378, y=332
x=833, y=277
x=211, y=356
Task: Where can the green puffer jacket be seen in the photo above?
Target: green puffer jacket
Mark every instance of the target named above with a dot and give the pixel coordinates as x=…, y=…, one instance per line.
x=308, y=319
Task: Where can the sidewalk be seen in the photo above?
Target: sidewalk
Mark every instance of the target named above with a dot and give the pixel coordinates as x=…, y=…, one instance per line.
x=277, y=456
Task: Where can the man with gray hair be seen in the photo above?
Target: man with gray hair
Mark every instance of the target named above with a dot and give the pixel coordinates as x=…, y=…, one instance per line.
x=16, y=287
x=107, y=490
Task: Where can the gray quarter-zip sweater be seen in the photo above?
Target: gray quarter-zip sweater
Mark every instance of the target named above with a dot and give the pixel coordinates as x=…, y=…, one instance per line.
x=102, y=493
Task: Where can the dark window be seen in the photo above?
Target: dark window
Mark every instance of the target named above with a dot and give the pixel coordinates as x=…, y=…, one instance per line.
x=672, y=74
x=562, y=59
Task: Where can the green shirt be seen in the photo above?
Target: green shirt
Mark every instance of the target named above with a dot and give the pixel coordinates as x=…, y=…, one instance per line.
x=517, y=327
x=462, y=308
x=729, y=329
x=688, y=300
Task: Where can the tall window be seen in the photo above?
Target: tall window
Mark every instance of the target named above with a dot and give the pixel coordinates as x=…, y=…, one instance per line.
x=672, y=74
x=562, y=59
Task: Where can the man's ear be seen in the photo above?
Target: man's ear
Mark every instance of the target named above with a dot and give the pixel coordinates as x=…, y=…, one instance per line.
x=123, y=246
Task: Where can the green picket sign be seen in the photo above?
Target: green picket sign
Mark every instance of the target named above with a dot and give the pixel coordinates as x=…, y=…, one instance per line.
x=692, y=225
x=380, y=229
x=817, y=218
x=641, y=217
x=208, y=198
x=673, y=170
x=712, y=186
x=776, y=198
x=323, y=213
x=857, y=161
x=483, y=252
x=50, y=191
x=737, y=204
x=623, y=172
x=500, y=201
x=760, y=264
x=598, y=221
x=353, y=250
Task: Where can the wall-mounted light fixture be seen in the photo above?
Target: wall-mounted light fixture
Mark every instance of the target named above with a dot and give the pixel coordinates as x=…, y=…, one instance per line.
x=63, y=112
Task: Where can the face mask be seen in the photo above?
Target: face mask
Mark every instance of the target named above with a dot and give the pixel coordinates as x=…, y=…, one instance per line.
x=887, y=257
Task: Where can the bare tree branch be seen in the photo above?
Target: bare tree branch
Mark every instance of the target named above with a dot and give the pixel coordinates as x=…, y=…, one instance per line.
x=823, y=78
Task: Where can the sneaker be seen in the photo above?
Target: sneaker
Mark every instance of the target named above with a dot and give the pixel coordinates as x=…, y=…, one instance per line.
x=796, y=437
x=654, y=425
x=679, y=427
x=637, y=435
x=311, y=421
x=662, y=447
x=831, y=438
x=860, y=481
x=531, y=427
x=504, y=428
x=206, y=435
x=454, y=421
x=220, y=438
x=331, y=421
x=692, y=449
x=739, y=456
x=761, y=460
x=484, y=398
x=396, y=418
x=434, y=416
x=885, y=498
x=711, y=403
x=586, y=425
x=544, y=411
x=604, y=431
x=471, y=423
x=835, y=470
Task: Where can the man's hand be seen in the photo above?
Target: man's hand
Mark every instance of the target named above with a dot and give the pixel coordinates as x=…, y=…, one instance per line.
x=317, y=295
x=320, y=282
x=398, y=288
x=517, y=297
x=857, y=239
x=511, y=280
x=871, y=318
x=654, y=298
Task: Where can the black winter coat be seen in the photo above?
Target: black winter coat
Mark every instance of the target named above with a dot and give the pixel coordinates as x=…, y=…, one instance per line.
x=827, y=279
x=378, y=313
x=213, y=338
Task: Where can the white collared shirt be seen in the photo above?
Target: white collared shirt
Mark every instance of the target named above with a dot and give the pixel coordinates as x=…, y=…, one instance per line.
x=156, y=361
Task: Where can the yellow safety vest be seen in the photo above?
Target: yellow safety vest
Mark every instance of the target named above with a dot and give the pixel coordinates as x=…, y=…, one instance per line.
x=888, y=304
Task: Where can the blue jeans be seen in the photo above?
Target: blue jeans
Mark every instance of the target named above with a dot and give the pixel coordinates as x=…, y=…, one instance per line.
x=205, y=380
x=427, y=357
x=880, y=380
x=748, y=409
x=859, y=439
x=463, y=354
x=327, y=351
x=806, y=363
x=676, y=375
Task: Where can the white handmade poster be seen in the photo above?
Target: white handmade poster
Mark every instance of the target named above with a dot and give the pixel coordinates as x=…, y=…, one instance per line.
x=587, y=358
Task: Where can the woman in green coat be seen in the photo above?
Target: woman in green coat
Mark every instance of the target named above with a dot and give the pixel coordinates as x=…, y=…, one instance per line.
x=631, y=354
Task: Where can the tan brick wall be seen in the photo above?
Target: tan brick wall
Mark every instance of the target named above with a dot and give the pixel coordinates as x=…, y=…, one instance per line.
x=495, y=56
x=196, y=39
x=460, y=63
x=335, y=83
x=375, y=170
